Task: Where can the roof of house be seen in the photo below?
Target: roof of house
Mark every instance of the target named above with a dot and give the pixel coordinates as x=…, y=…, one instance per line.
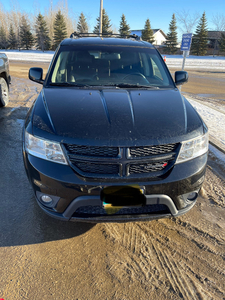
x=154, y=31
x=214, y=35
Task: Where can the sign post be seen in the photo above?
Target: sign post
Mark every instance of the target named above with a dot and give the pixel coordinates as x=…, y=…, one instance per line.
x=100, y=18
x=185, y=46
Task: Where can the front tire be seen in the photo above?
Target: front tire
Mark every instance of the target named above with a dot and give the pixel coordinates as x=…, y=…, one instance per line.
x=4, y=92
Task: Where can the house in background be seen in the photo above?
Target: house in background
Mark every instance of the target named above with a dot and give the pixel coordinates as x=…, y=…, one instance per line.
x=159, y=36
x=213, y=41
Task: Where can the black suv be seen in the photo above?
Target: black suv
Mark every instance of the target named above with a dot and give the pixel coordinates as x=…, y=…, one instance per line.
x=110, y=137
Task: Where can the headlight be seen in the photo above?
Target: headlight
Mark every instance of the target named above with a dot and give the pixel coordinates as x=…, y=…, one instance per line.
x=193, y=148
x=44, y=149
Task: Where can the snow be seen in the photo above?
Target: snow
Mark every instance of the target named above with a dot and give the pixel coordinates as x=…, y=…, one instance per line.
x=174, y=61
x=218, y=156
x=196, y=62
x=214, y=119
x=29, y=55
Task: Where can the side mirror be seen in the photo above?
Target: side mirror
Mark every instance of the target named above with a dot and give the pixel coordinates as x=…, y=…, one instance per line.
x=36, y=74
x=181, y=77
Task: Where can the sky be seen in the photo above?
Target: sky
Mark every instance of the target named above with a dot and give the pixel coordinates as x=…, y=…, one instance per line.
x=136, y=12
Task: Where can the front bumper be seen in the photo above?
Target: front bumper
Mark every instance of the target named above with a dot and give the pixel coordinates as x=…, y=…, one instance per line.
x=70, y=193
x=87, y=201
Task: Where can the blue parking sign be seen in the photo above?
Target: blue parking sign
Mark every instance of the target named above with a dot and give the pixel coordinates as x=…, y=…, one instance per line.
x=186, y=42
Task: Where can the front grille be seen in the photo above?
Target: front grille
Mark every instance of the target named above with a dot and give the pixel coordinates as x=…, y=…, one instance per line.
x=115, y=162
x=95, y=211
x=147, y=168
x=96, y=168
x=92, y=150
x=152, y=150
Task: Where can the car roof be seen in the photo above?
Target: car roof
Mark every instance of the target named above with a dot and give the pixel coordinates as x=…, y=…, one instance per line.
x=107, y=41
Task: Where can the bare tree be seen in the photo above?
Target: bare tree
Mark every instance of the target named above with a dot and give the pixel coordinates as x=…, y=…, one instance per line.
x=187, y=21
x=3, y=19
x=68, y=14
x=218, y=21
x=50, y=14
x=15, y=19
x=115, y=29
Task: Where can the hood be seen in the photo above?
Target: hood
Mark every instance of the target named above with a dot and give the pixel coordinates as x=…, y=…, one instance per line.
x=117, y=117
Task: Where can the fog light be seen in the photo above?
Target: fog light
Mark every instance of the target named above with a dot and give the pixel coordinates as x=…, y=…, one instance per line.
x=46, y=199
x=192, y=196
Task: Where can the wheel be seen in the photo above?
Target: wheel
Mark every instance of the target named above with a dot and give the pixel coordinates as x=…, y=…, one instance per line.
x=137, y=74
x=4, y=92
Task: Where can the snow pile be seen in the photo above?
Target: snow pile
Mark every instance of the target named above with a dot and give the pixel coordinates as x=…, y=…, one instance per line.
x=196, y=62
x=174, y=61
x=217, y=156
x=29, y=55
x=214, y=119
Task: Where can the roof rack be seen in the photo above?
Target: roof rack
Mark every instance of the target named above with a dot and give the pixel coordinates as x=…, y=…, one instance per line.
x=76, y=35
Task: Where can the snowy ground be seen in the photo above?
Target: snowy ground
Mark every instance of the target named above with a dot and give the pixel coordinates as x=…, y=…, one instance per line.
x=192, y=62
x=214, y=119
x=29, y=55
x=196, y=62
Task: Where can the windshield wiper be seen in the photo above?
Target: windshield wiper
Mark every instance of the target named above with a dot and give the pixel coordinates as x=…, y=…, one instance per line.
x=118, y=85
x=69, y=84
x=132, y=85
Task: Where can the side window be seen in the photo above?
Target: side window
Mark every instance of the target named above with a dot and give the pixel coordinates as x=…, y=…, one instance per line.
x=156, y=71
x=60, y=72
x=145, y=64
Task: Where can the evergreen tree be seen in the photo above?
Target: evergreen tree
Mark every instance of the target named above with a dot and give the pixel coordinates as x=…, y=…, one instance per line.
x=12, y=40
x=82, y=26
x=42, y=38
x=171, y=41
x=147, y=33
x=26, y=37
x=222, y=43
x=60, y=30
x=200, y=38
x=124, y=27
x=3, y=38
x=106, y=26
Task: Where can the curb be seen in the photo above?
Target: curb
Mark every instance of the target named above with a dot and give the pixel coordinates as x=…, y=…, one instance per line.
x=216, y=144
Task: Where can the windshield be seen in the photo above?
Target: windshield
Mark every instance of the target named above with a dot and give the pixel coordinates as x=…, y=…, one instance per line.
x=109, y=66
